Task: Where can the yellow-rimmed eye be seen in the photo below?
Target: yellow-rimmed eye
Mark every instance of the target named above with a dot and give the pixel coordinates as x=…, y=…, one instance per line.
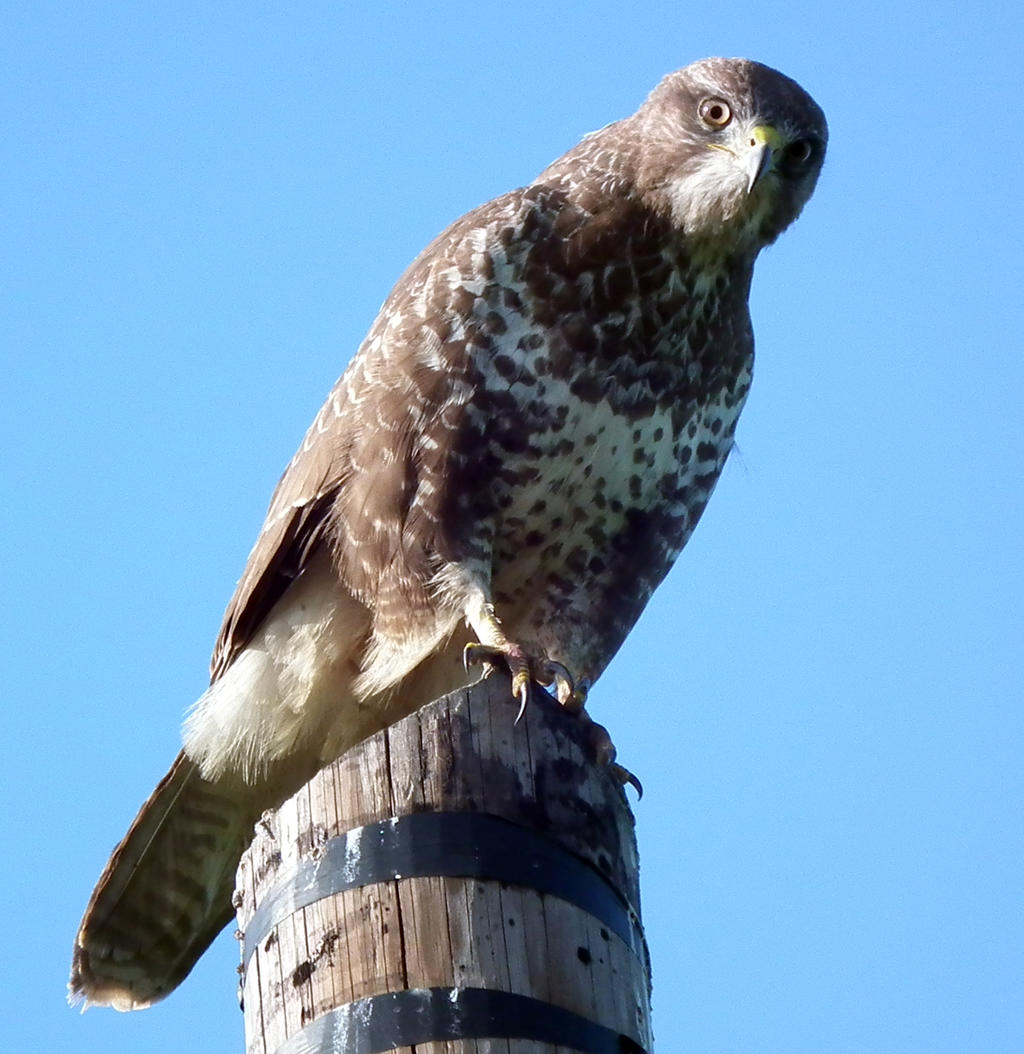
x=715, y=113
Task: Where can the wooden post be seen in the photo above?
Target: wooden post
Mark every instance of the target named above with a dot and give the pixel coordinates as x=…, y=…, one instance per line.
x=456, y=884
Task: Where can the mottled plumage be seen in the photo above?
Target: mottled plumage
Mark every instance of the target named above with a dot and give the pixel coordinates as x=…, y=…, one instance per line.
x=523, y=444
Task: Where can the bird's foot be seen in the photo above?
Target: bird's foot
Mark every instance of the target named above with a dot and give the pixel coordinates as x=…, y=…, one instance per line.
x=604, y=749
x=493, y=648
x=525, y=668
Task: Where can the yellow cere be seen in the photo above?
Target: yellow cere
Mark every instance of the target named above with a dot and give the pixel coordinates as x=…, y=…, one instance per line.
x=764, y=133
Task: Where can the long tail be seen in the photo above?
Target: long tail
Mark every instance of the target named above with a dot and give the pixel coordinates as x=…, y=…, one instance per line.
x=164, y=895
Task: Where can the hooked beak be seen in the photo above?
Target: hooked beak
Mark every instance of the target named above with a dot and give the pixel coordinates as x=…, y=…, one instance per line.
x=763, y=142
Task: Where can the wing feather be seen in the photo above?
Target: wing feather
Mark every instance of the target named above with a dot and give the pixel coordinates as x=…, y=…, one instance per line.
x=296, y=526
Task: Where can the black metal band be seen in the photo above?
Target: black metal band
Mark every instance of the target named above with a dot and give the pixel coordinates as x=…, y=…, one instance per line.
x=452, y=845
x=426, y=1015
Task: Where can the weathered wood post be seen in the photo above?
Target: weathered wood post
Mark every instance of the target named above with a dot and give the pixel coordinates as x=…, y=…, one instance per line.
x=456, y=884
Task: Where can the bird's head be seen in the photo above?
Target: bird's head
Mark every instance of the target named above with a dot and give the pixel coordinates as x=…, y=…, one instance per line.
x=730, y=150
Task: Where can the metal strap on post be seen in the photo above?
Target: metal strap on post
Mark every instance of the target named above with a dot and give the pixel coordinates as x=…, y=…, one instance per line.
x=452, y=845
x=425, y=1015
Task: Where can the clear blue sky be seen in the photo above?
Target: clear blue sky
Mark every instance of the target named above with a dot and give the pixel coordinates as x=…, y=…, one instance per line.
x=202, y=208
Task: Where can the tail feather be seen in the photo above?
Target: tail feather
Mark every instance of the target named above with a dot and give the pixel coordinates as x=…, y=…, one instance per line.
x=164, y=895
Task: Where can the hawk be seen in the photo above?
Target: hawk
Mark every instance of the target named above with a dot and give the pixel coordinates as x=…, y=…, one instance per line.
x=522, y=446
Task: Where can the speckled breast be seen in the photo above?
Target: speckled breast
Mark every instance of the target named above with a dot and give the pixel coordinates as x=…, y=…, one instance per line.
x=605, y=470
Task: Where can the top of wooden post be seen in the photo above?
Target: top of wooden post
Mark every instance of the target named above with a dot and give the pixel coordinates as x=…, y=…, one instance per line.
x=460, y=756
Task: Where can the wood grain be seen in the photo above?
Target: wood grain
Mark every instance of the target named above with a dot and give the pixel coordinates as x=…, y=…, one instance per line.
x=462, y=753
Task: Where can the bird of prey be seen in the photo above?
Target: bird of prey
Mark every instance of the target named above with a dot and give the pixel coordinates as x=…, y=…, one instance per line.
x=519, y=450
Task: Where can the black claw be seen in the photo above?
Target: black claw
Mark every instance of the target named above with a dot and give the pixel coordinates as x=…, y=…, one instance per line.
x=624, y=776
x=524, y=698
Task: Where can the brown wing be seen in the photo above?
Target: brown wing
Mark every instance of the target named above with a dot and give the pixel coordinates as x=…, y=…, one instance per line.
x=379, y=466
x=295, y=527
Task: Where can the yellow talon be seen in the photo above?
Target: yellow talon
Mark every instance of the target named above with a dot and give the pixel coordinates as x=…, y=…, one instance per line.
x=524, y=670
x=578, y=698
x=570, y=694
x=474, y=653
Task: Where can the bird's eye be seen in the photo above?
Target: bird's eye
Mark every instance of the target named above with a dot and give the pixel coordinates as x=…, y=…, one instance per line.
x=715, y=113
x=798, y=153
